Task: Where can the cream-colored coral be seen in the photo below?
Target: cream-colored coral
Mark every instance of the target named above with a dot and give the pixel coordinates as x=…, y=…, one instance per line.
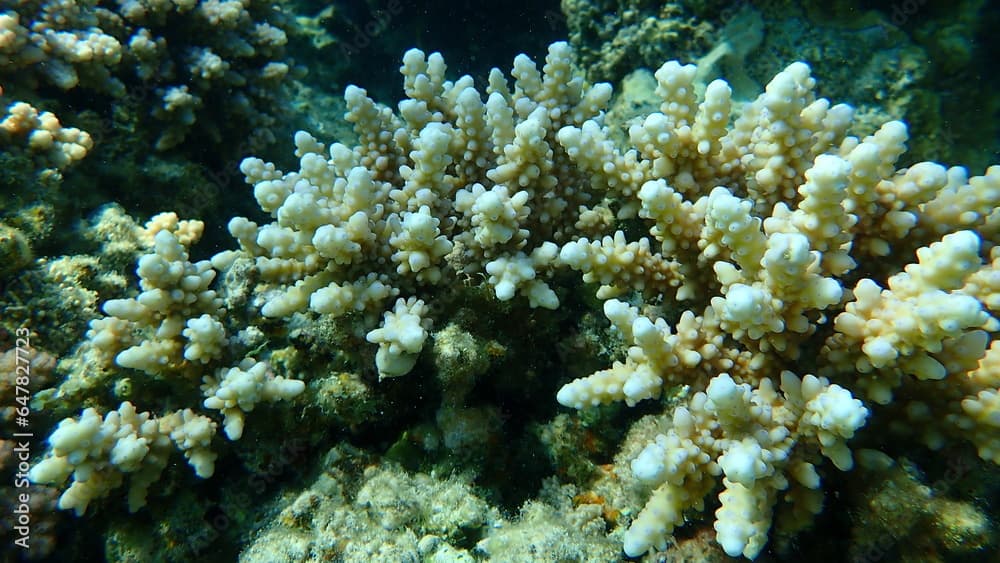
x=174, y=320
x=450, y=184
x=978, y=420
x=656, y=357
x=519, y=273
x=759, y=225
x=621, y=266
x=494, y=216
x=41, y=135
x=418, y=243
x=400, y=338
x=187, y=231
x=236, y=391
x=765, y=219
x=100, y=453
x=68, y=40
x=903, y=325
x=749, y=437
x=230, y=46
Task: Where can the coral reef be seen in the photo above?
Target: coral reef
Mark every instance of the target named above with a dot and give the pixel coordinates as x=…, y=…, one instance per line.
x=58, y=296
x=156, y=90
x=780, y=289
x=392, y=515
x=170, y=329
x=614, y=37
x=183, y=53
x=755, y=226
x=387, y=512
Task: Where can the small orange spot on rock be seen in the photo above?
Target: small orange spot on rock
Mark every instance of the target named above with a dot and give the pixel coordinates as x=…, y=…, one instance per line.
x=588, y=497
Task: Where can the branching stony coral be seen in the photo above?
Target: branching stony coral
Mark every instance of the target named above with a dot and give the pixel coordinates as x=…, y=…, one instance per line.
x=836, y=205
x=99, y=454
x=170, y=331
x=451, y=184
x=793, y=280
x=40, y=135
x=758, y=227
x=193, y=55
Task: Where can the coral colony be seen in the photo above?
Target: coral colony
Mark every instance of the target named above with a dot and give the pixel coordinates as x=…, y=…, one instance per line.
x=735, y=252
